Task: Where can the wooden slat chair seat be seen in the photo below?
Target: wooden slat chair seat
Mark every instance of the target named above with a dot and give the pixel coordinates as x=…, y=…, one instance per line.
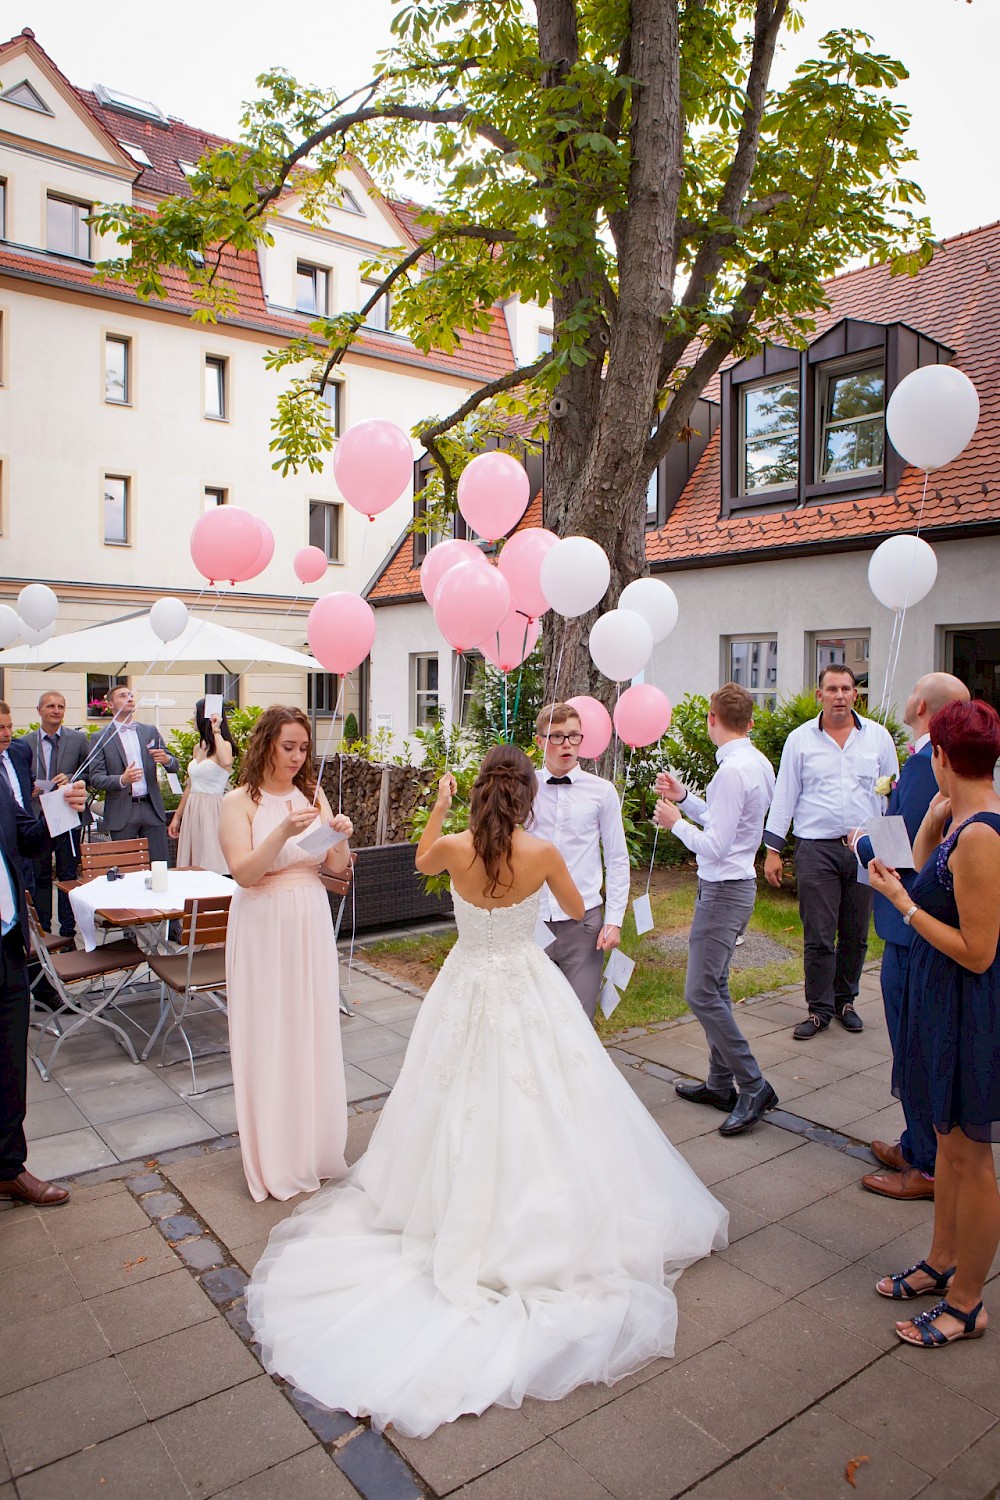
x=193, y=979
x=340, y=885
x=127, y=854
x=78, y=980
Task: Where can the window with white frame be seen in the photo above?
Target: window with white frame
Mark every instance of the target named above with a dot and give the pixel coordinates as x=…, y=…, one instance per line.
x=379, y=316
x=332, y=396
x=117, y=370
x=216, y=392
x=769, y=435
x=311, y=289
x=424, y=700
x=851, y=420
x=322, y=692
x=470, y=668
x=545, y=340
x=326, y=526
x=844, y=649
x=753, y=664
x=116, y=510
x=67, y=230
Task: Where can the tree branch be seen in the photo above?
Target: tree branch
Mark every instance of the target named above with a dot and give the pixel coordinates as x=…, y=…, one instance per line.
x=429, y=435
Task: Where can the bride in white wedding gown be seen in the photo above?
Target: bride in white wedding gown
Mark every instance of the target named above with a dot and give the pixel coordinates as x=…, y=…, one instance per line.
x=518, y=1221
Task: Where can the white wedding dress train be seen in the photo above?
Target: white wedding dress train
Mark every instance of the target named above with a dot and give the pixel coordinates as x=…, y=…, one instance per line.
x=516, y=1225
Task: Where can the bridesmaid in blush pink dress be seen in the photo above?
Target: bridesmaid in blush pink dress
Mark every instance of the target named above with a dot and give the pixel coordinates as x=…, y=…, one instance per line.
x=281, y=966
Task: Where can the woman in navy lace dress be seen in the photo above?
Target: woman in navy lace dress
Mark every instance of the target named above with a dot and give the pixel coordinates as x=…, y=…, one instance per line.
x=949, y=1058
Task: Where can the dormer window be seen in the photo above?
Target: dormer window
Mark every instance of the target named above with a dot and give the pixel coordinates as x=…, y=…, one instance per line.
x=137, y=154
x=27, y=97
x=851, y=420
x=770, y=435
x=129, y=104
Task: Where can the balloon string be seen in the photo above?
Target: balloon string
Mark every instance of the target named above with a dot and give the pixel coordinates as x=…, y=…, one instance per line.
x=251, y=665
x=626, y=773
x=329, y=739
x=506, y=733
x=555, y=686
x=652, y=859
x=102, y=738
x=906, y=599
x=454, y=697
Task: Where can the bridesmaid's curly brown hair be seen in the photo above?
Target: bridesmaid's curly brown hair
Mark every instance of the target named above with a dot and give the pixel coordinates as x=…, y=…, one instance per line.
x=501, y=800
x=257, y=755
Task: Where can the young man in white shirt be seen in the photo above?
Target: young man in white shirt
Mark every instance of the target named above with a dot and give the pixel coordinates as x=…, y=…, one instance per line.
x=581, y=815
x=732, y=817
x=826, y=787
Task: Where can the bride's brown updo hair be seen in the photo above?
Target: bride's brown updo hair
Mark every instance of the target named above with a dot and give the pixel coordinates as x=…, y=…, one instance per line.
x=501, y=799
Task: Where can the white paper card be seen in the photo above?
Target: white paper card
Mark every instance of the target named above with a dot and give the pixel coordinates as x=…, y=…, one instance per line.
x=544, y=937
x=319, y=840
x=609, y=999
x=643, y=909
x=890, y=842
x=174, y=782
x=44, y=786
x=57, y=812
x=619, y=969
x=213, y=705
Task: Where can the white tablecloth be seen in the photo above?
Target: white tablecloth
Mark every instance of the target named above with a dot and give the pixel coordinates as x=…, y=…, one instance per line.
x=131, y=892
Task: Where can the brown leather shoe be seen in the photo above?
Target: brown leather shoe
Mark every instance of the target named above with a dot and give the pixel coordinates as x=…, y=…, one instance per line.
x=890, y=1155
x=26, y=1188
x=907, y=1184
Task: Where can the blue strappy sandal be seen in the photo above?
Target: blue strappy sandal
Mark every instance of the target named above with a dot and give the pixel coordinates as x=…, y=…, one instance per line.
x=933, y=1338
x=902, y=1291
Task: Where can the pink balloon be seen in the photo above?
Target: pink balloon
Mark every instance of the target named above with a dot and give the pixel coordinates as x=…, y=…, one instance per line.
x=442, y=557
x=595, y=721
x=373, y=463
x=493, y=494
x=224, y=542
x=265, y=551
x=520, y=563
x=309, y=564
x=642, y=714
x=341, y=629
x=515, y=639
x=470, y=603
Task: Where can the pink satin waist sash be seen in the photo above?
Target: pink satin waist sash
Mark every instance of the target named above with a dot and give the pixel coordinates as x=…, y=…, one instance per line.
x=276, y=880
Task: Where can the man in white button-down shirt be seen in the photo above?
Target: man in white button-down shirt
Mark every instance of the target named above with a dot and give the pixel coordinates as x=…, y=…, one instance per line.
x=826, y=788
x=580, y=814
x=732, y=817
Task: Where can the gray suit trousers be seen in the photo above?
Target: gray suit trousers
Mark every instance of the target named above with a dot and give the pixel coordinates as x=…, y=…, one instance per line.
x=722, y=911
x=576, y=954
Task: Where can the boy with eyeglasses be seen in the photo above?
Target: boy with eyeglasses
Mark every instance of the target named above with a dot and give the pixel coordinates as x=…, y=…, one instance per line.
x=581, y=815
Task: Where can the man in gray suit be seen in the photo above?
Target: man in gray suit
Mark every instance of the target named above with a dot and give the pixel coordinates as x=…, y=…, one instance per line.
x=124, y=768
x=57, y=753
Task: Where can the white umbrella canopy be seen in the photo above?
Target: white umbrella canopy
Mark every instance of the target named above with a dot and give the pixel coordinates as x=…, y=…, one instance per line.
x=129, y=648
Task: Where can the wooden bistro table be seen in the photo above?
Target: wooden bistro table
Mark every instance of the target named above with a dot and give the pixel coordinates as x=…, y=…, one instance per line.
x=129, y=902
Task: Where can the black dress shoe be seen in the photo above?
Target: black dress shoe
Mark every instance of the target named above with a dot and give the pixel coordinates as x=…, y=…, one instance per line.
x=810, y=1027
x=749, y=1108
x=700, y=1093
x=849, y=1018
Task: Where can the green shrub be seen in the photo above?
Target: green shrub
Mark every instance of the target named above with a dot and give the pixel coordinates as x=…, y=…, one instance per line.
x=351, y=730
x=183, y=742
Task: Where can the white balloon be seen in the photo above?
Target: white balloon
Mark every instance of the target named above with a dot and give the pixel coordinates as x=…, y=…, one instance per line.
x=37, y=605
x=10, y=625
x=168, y=618
x=902, y=571
x=574, y=576
x=931, y=415
x=36, y=637
x=621, y=644
x=655, y=601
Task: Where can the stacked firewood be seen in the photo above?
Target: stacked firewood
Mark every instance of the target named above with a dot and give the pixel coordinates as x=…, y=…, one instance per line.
x=380, y=800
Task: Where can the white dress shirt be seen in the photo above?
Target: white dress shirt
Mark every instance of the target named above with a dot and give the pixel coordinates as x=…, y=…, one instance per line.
x=919, y=744
x=582, y=819
x=732, y=813
x=132, y=751
x=15, y=784
x=825, y=790
x=8, y=905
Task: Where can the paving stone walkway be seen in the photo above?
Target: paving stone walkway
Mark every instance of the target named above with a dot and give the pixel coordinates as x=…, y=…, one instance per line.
x=126, y=1366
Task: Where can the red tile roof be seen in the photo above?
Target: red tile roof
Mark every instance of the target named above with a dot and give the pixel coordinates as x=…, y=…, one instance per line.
x=480, y=357
x=954, y=301
x=398, y=581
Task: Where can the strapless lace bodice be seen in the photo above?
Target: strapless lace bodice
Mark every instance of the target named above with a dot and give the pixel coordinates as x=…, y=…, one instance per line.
x=496, y=934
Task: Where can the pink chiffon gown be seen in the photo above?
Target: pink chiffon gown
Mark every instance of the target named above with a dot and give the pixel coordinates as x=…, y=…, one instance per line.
x=284, y=1021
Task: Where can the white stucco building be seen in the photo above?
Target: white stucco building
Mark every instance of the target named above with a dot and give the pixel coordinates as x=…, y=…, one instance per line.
x=120, y=421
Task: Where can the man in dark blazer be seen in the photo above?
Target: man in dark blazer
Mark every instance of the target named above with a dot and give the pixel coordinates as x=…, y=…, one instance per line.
x=912, y=1157
x=124, y=768
x=21, y=838
x=15, y=773
x=57, y=753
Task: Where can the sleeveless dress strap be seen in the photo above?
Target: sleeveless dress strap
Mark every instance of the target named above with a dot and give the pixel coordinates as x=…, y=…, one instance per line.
x=946, y=848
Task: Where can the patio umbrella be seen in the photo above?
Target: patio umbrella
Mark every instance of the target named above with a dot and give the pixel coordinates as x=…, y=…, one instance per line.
x=128, y=648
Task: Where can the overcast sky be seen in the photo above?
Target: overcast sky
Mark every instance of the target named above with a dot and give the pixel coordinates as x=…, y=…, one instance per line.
x=199, y=61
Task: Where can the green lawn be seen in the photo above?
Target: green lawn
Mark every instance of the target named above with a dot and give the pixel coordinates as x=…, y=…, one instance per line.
x=656, y=992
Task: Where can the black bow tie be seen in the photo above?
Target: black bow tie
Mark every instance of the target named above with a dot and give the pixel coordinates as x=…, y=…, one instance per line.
x=559, y=781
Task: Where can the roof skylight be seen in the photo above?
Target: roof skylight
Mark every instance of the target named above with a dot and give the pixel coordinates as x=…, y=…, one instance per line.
x=130, y=104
